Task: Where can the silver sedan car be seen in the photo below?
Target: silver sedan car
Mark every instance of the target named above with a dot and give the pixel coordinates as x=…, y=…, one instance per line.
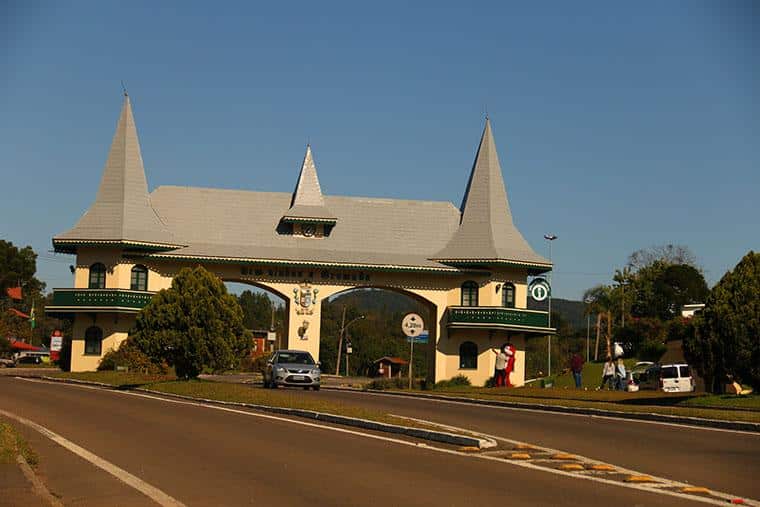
x=292, y=368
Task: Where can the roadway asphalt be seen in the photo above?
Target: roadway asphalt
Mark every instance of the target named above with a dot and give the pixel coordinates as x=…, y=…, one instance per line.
x=720, y=460
x=203, y=456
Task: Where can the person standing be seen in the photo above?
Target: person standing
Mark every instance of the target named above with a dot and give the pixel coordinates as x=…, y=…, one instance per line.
x=620, y=374
x=576, y=364
x=500, y=374
x=608, y=373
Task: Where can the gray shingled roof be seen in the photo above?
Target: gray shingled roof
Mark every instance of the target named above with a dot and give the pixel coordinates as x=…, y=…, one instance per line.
x=122, y=210
x=245, y=225
x=242, y=224
x=487, y=232
x=308, y=201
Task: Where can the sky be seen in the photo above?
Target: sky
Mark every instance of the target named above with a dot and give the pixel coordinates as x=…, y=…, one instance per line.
x=619, y=125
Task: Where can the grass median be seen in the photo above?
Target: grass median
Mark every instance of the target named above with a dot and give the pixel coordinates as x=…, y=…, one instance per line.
x=238, y=393
x=12, y=444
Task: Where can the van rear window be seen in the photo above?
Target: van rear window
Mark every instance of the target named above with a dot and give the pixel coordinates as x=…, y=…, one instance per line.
x=669, y=372
x=685, y=372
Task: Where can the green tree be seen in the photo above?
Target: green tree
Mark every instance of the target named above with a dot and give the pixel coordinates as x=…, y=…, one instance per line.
x=660, y=289
x=17, y=267
x=194, y=325
x=727, y=339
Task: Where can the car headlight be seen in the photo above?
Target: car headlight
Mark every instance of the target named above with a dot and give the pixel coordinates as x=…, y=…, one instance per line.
x=315, y=372
x=280, y=369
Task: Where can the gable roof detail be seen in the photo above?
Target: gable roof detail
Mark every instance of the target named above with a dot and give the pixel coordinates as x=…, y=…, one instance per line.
x=308, y=203
x=122, y=212
x=486, y=232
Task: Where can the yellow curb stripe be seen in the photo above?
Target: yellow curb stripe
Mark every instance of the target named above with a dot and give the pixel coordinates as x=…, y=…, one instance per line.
x=639, y=478
x=469, y=448
x=525, y=447
x=571, y=466
x=561, y=455
x=519, y=455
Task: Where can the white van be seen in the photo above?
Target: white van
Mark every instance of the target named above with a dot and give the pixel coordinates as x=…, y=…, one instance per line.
x=670, y=378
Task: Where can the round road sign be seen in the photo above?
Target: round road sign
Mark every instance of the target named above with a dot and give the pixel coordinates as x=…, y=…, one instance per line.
x=412, y=325
x=539, y=289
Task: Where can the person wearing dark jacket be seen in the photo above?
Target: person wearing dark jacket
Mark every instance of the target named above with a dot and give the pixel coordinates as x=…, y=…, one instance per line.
x=576, y=364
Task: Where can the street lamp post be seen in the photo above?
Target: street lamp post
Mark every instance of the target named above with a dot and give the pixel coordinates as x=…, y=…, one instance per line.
x=550, y=238
x=343, y=328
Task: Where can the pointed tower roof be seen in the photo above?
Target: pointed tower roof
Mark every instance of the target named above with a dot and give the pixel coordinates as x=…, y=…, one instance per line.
x=486, y=233
x=308, y=203
x=122, y=212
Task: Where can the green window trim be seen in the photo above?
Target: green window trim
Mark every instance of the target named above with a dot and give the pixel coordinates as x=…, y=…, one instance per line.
x=469, y=293
x=139, y=278
x=93, y=341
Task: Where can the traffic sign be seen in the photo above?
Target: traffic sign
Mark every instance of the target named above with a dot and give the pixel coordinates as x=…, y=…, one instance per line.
x=539, y=289
x=421, y=338
x=412, y=325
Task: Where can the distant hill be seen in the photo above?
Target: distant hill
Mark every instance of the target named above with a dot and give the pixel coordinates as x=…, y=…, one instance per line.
x=389, y=302
x=375, y=300
x=571, y=311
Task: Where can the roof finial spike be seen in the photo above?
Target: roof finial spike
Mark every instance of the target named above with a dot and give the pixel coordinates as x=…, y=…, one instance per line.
x=124, y=89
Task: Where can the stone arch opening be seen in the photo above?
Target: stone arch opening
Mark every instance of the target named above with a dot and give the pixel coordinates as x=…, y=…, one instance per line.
x=378, y=334
x=265, y=311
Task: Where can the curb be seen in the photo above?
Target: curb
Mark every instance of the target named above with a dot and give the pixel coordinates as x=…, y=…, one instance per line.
x=432, y=435
x=641, y=416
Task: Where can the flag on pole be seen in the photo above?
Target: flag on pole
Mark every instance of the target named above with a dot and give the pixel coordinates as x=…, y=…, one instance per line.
x=32, y=320
x=14, y=292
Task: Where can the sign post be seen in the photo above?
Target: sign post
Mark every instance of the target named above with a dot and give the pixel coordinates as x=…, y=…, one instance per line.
x=56, y=344
x=412, y=325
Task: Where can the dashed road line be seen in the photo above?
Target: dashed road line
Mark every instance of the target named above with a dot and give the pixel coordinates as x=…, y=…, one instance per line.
x=558, y=462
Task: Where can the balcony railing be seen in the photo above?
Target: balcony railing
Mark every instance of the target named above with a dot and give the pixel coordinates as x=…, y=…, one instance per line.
x=498, y=317
x=98, y=300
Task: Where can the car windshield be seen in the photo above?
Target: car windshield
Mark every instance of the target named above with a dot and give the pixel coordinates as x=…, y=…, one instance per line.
x=295, y=358
x=669, y=372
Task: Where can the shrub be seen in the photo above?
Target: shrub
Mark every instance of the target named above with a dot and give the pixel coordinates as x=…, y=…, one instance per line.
x=459, y=380
x=132, y=358
x=382, y=384
x=254, y=364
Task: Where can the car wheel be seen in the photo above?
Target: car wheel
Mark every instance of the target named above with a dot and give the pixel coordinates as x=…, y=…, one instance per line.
x=316, y=388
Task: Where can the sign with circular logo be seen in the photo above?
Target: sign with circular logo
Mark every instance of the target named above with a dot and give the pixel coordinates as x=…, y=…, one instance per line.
x=539, y=289
x=412, y=325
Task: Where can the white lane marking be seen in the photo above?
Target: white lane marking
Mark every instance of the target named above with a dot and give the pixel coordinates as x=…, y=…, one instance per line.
x=143, y=487
x=662, y=482
x=523, y=464
x=465, y=401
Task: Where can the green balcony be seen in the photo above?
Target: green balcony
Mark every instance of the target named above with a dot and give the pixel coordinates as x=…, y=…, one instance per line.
x=68, y=301
x=496, y=317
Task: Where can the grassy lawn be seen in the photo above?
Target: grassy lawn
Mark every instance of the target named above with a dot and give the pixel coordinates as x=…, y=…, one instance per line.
x=113, y=378
x=12, y=444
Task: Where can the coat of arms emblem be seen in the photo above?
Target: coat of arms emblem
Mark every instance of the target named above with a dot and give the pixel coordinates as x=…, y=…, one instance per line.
x=305, y=297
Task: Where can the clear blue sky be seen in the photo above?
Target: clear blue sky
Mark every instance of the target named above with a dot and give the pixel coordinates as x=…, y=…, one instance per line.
x=619, y=125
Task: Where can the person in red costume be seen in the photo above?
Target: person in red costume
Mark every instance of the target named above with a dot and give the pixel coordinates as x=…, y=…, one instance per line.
x=510, y=351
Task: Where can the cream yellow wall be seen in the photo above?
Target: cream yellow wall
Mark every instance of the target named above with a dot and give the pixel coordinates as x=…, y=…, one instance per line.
x=437, y=290
x=115, y=330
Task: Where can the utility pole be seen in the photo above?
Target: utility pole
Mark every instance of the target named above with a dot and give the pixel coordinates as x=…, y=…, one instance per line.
x=550, y=238
x=340, y=340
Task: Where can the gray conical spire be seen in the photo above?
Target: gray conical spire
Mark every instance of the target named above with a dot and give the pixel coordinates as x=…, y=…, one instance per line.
x=486, y=233
x=122, y=211
x=307, y=203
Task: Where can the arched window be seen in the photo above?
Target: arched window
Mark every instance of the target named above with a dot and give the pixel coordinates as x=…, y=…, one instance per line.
x=97, y=276
x=468, y=356
x=139, y=279
x=508, y=295
x=469, y=293
x=93, y=341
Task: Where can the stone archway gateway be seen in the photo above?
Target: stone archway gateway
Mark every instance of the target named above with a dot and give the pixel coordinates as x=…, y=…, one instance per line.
x=306, y=247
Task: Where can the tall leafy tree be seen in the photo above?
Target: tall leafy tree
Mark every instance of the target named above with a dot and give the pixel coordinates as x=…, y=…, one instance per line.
x=194, y=325
x=727, y=339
